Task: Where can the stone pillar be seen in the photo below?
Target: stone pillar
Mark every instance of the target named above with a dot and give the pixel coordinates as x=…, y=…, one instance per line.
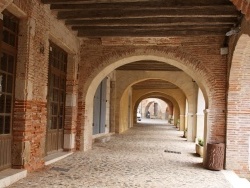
x=200, y=115
x=206, y=135
x=176, y=117
x=182, y=122
x=200, y=125
x=190, y=127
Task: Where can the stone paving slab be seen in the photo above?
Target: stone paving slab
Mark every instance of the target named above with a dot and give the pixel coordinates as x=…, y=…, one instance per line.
x=134, y=159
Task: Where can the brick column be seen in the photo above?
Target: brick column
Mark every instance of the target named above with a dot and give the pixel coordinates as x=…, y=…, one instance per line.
x=30, y=110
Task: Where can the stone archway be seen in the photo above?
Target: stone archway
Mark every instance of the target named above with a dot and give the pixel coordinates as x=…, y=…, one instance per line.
x=238, y=115
x=177, y=105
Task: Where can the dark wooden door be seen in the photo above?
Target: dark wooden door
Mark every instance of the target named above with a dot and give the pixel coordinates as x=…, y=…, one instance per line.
x=8, y=51
x=56, y=98
x=99, y=113
x=96, y=113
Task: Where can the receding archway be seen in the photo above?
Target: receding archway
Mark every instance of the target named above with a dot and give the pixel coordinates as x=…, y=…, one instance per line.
x=204, y=77
x=177, y=104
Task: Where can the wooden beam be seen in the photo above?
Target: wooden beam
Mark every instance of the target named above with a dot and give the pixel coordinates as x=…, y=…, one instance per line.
x=132, y=5
x=170, y=2
x=151, y=13
x=149, y=33
x=137, y=28
x=154, y=21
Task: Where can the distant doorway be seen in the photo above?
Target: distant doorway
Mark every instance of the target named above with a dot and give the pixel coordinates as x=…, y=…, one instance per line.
x=99, y=113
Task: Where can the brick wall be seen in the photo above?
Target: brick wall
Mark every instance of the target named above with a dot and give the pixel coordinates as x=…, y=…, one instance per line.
x=238, y=116
x=243, y=6
x=30, y=109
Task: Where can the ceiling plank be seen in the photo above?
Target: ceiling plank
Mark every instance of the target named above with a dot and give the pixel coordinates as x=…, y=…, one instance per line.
x=154, y=84
x=154, y=21
x=149, y=33
x=150, y=13
x=148, y=28
x=169, y=2
x=130, y=5
x=149, y=65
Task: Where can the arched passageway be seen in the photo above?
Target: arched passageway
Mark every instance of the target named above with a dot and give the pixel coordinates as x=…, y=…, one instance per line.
x=177, y=104
x=203, y=80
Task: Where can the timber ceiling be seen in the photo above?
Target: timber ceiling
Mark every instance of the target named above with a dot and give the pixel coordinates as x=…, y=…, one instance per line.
x=146, y=18
x=154, y=84
x=148, y=66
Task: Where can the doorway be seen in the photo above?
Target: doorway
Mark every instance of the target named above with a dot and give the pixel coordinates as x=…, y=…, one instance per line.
x=56, y=98
x=99, y=116
x=9, y=28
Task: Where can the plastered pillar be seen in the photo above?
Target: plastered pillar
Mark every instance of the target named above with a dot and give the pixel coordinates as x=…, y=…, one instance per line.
x=70, y=105
x=206, y=134
x=182, y=122
x=200, y=125
x=190, y=127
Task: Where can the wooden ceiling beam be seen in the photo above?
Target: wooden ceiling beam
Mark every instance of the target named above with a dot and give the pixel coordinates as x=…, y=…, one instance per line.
x=149, y=33
x=150, y=13
x=166, y=28
x=129, y=5
x=169, y=2
x=154, y=21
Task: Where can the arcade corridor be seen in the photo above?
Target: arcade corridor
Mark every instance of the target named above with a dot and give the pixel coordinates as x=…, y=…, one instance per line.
x=135, y=158
x=76, y=71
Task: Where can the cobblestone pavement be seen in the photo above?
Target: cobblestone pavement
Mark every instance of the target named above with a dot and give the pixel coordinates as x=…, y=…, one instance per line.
x=134, y=159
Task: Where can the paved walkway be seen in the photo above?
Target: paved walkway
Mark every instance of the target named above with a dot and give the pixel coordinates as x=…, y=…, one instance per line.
x=134, y=159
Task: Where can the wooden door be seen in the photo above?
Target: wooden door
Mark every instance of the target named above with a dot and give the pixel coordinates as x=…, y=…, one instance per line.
x=56, y=98
x=8, y=51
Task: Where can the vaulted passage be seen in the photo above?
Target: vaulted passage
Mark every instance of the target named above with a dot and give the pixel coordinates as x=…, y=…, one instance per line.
x=147, y=155
x=73, y=72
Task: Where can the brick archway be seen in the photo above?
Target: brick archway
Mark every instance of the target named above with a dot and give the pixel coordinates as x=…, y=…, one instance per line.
x=91, y=75
x=238, y=116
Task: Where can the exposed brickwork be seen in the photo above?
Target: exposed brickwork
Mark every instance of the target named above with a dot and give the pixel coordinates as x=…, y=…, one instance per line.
x=197, y=56
x=29, y=129
x=80, y=129
x=238, y=117
x=30, y=110
x=243, y=6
